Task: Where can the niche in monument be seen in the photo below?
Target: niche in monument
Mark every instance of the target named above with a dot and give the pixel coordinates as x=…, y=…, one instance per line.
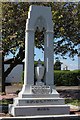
x=39, y=54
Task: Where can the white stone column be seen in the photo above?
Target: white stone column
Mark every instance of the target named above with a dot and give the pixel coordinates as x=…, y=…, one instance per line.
x=48, y=58
x=29, y=58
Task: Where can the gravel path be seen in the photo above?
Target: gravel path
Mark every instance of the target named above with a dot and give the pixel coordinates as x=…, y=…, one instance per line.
x=15, y=87
x=64, y=91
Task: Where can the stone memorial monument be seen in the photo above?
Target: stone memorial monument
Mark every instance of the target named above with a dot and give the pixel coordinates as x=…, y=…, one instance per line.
x=40, y=98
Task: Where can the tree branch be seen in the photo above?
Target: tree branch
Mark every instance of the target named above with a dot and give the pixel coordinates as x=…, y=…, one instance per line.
x=15, y=61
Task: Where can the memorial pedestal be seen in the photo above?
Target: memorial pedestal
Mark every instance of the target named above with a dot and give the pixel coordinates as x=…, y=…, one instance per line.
x=40, y=102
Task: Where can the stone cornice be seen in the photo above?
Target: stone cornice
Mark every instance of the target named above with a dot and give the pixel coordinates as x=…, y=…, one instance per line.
x=30, y=30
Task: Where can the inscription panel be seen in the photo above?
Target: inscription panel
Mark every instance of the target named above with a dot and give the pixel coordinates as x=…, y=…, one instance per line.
x=40, y=102
x=43, y=109
x=40, y=89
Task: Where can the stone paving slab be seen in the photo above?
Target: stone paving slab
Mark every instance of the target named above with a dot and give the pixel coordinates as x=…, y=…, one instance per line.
x=48, y=117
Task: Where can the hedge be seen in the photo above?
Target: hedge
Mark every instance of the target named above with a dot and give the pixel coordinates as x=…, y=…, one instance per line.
x=66, y=78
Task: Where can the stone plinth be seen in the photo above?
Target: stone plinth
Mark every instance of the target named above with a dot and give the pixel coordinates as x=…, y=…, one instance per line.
x=40, y=110
x=43, y=103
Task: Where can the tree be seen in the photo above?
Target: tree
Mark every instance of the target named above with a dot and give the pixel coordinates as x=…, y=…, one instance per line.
x=57, y=65
x=66, y=19
x=66, y=23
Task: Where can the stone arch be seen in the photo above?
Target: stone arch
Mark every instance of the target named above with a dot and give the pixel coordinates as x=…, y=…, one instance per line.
x=39, y=16
x=33, y=15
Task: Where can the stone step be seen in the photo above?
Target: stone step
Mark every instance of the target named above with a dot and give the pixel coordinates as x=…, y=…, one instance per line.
x=54, y=95
x=38, y=101
x=39, y=110
x=47, y=117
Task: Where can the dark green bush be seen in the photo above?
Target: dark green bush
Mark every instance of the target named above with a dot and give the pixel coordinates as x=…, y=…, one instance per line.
x=64, y=78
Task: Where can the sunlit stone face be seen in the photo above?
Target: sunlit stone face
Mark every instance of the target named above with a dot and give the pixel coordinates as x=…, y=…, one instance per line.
x=39, y=71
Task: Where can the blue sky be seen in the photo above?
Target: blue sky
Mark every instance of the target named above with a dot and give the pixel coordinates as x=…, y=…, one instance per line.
x=72, y=65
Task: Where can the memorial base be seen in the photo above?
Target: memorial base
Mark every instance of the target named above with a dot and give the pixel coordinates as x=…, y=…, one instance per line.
x=39, y=110
x=40, y=102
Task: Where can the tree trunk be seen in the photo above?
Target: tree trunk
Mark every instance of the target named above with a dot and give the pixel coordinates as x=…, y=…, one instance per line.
x=3, y=77
x=13, y=63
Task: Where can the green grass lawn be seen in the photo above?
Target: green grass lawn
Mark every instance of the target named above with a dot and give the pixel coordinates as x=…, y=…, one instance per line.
x=75, y=102
x=4, y=101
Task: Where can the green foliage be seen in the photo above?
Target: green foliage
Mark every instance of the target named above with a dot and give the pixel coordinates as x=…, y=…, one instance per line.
x=64, y=78
x=57, y=65
x=65, y=17
x=13, y=26
x=6, y=101
x=36, y=62
x=75, y=102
